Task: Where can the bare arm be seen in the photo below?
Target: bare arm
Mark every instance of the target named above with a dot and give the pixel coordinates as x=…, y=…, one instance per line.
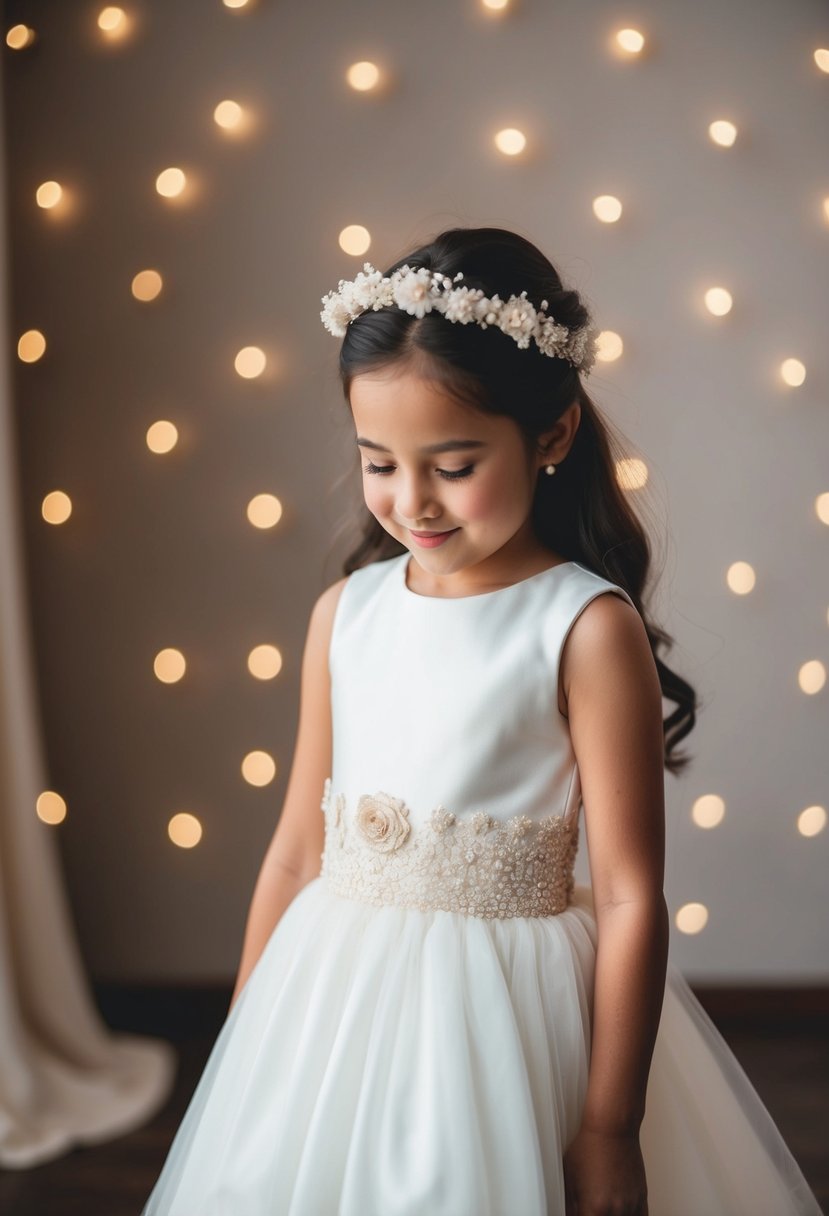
x=276, y=887
x=615, y=710
x=293, y=856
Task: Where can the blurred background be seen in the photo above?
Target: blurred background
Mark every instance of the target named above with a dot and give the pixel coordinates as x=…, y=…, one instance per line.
x=183, y=182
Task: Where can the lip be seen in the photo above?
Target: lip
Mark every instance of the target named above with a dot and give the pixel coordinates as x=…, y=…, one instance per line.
x=430, y=540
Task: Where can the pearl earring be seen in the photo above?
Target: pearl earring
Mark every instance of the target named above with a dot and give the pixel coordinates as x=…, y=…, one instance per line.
x=550, y=468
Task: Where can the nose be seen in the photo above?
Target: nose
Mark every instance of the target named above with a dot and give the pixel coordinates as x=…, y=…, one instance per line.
x=415, y=501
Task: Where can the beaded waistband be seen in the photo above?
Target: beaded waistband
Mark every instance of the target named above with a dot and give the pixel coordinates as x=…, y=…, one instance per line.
x=479, y=865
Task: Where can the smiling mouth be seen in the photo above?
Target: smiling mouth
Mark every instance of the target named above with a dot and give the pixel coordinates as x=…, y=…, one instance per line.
x=427, y=534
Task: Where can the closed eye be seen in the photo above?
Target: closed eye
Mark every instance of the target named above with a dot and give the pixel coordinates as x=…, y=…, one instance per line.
x=448, y=474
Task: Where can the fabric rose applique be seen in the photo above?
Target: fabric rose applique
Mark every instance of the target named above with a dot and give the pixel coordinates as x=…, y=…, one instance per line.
x=382, y=821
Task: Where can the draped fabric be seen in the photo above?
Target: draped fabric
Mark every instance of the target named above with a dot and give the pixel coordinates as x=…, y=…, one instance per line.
x=65, y=1078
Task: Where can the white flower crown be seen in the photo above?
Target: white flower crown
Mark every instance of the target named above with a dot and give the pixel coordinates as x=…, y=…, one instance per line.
x=419, y=290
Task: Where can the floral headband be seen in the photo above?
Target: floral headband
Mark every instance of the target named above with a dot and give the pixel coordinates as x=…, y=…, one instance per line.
x=419, y=290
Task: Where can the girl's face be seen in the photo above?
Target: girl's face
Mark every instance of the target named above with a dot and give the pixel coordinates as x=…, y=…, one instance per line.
x=431, y=464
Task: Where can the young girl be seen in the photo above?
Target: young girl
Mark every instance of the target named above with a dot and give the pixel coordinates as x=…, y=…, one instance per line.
x=430, y=1017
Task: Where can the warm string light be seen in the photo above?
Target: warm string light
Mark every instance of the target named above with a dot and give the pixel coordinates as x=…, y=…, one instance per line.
x=718, y=301
x=48, y=195
x=265, y=662
x=691, y=918
x=229, y=115
x=56, y=507
x=723, y=133
x=162, y=437
x=510, y=141
x=19, y=37
x=355, y=240
x=607, y=208
x=114, y=23
x=811, y=677
x=259, y=768
x=264, y=511
x=740, y=578
x=171, y=182
x=50, y=807
x=184, y=830
x=792, y=372
x=708, y=811
x=609, y=346
x=630, y=42
x=364, y=77
x=146, y=285
x=250, y=362
x=31, y=346
x=169, y=665
x=811, y=820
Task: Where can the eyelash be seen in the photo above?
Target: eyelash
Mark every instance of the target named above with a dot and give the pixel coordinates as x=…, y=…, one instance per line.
x=460, y=475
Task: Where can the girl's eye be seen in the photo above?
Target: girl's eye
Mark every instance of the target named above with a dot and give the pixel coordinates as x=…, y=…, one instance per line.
x=448, y=474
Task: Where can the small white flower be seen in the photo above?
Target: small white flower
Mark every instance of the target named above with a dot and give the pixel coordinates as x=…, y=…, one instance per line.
x=552, y=337
x=412, y=292
x=459, y=305
x=366, y=285
x=335, y=315
x=384, y=295
x=518, y=319
x=487, y=310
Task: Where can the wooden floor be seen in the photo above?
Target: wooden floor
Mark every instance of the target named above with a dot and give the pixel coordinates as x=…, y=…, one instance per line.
x=781, y=1039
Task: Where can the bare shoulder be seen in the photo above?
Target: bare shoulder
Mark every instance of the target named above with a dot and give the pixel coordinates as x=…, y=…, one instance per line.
x=298, y=839
x=321, y=621
x=327, y=600
x=606, y=642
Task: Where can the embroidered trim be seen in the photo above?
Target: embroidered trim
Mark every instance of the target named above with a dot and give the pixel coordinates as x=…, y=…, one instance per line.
x=479, y=865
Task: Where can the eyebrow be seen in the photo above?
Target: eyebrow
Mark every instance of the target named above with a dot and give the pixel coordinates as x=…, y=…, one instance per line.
x=449, y=445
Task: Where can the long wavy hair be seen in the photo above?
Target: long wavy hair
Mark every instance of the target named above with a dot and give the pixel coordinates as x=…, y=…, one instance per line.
x=582, y=513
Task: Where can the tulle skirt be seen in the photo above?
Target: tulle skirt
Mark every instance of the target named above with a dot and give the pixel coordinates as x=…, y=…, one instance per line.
x=387, y=1061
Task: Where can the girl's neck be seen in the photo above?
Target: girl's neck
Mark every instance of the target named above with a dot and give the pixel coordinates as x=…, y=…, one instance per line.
x=489, y=575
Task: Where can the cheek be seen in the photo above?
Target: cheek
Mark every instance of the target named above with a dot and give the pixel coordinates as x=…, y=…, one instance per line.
x=474, y=503
x=376, y=497
x=488, y=496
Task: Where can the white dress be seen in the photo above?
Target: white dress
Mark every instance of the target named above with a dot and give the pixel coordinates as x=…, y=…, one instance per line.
x=414, y=1039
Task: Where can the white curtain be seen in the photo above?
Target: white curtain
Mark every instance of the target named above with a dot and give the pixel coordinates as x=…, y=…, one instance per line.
x=65, y=1078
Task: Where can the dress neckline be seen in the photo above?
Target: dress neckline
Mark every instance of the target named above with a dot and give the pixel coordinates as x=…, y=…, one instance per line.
x=478, y=595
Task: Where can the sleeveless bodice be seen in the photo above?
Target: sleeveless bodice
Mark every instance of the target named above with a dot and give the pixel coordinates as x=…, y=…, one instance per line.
x=453, y=783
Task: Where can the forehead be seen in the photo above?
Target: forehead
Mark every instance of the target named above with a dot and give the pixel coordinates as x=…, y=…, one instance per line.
x=403, y=402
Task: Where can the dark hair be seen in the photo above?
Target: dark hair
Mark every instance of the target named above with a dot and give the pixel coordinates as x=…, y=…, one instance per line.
x=582, y=513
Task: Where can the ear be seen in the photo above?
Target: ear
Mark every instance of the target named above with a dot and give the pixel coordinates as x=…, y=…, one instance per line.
x=554, y=444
